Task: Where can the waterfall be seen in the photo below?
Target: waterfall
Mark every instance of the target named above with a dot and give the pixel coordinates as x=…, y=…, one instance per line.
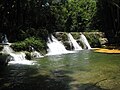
x=17, y=58
x=55, y=46
x=73, y=41
x=7, y=49
x=84, y=40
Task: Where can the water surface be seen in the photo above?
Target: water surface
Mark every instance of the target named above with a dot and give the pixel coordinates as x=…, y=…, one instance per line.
x=84, y=70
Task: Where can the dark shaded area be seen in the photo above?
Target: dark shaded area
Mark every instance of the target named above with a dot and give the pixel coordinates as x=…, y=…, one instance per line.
x=89, y=87
x=4, y=59
x=27, y=78
x=23, y=19
x=107, y=19
x=19, y=17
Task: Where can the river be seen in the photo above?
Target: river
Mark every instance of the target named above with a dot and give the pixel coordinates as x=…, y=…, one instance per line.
x=83, y=70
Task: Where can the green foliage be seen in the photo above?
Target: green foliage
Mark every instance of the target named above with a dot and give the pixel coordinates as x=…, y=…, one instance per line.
x=32, y=32
x=20, y=19
x=23, y=19
x=74, y=15
x=36, y=43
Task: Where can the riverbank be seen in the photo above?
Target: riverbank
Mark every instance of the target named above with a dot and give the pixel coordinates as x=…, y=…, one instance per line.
x=103, y=50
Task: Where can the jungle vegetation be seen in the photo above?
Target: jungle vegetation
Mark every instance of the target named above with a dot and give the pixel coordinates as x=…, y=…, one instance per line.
x=21, y=19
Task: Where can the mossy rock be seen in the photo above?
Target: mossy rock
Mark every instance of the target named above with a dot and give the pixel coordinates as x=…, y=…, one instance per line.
x=76, y=35
x=68, y=46
x=61, y=36
x=28, y=56
x=1, y=47
x=4, y=59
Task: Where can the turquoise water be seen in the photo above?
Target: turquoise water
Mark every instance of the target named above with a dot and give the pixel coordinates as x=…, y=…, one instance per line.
x=84, y=70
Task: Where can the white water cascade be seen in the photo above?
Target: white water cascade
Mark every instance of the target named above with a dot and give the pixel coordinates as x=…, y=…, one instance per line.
x=75, y=44
x=55, y=47
x=7, y=49
x=17, y=58
x=84, y=40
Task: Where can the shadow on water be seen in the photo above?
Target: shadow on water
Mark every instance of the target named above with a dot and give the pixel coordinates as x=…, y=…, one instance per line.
x=27, y=78
x=89, y=87
x=23, y=77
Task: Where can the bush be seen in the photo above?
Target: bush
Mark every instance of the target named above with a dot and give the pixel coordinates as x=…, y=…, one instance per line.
x=36, y=43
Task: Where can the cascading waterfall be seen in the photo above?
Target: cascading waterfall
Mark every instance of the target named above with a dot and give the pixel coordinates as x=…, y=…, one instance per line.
x=55, y=47
x=75, y=44
x=84, y=40
x=7, y=49
x=16, y=58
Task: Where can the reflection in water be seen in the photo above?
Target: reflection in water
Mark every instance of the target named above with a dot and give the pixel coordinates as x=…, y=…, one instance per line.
x=84, y=70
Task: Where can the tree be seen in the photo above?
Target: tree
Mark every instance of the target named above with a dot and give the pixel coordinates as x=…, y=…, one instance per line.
x=74, y=14
x=29, y=17
x=108, y=19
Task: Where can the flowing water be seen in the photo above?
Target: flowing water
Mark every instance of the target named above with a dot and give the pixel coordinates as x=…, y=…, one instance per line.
x=73, y=41
x=7, y=49
x=84, y=70
x=16, y=58
x=55, y=47
x=84, y=40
